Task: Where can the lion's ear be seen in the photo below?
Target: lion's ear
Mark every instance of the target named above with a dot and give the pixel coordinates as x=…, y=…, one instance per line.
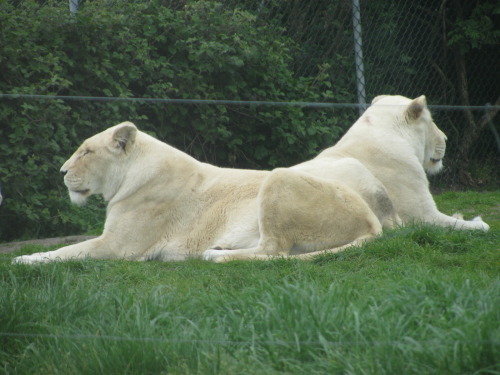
x=124, y=136
x=415, y=108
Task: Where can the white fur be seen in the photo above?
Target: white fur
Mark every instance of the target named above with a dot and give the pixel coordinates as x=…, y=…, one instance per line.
x=163, y=204
x=397, y=141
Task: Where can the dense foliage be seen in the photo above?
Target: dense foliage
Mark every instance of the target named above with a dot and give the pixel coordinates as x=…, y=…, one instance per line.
x=233, y=50
x=143, y=50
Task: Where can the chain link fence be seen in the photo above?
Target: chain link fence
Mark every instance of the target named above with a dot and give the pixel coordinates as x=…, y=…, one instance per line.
x=237, y=83
x=447, y=51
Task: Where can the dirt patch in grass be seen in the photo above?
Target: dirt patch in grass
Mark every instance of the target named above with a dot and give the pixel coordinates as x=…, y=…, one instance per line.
x=13, y=246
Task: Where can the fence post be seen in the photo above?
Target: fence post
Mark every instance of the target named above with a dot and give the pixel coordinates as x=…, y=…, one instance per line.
x=358, y=56
x=73, y=6
x=488, y=118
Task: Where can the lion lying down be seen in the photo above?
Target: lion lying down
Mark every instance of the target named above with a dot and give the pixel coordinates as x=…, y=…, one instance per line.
x=163, y=204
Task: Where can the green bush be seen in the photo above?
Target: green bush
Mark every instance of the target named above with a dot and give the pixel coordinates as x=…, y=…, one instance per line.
x=148, y=49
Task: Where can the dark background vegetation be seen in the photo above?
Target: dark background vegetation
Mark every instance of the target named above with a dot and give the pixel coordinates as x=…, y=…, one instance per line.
x=235, y=50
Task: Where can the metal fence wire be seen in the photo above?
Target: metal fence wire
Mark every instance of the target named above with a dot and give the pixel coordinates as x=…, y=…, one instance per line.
x=170, y=67
x=446, y=50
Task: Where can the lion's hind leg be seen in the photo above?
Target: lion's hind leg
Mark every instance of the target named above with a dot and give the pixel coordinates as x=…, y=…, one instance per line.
x=268, y=246
x=263, y=253
x=304, y=213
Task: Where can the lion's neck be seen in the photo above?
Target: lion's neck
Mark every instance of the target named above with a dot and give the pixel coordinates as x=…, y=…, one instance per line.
x=154, y=163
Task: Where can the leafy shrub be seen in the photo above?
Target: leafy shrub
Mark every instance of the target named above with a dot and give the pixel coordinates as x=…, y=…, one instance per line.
x=147, y=49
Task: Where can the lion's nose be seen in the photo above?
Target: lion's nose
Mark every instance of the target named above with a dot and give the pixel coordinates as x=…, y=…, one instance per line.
x=63, y=172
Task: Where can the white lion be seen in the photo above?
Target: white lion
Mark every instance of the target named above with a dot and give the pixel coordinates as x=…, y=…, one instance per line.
x=385, y=153
x=163, y=204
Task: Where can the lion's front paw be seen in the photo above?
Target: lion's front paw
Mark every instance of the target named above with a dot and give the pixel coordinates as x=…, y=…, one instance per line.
x=217, y=256
x=483, y=225
x=31, y=259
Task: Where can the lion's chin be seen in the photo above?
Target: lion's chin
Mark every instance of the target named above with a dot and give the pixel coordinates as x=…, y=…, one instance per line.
x=433, y=166
x=79, y=197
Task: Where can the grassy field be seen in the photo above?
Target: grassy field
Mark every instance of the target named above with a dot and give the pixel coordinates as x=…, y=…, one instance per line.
x=419, y=300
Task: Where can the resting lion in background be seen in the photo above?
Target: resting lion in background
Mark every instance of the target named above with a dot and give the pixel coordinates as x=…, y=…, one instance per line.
x=387, y=152
x=163, y=204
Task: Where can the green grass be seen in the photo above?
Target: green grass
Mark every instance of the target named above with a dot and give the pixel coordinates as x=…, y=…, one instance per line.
x=419, y=300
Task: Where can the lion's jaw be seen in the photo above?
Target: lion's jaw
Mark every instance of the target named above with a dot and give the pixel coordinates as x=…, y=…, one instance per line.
x=79, y=197
x=98, y=180
x=433, y=166
x=435, y=150
x=79, y=188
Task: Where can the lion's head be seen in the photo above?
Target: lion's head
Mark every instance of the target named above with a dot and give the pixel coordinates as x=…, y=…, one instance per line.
x=412, y=119
x=97, y=166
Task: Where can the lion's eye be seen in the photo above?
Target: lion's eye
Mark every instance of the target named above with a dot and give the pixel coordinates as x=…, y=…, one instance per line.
x=85, y=152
